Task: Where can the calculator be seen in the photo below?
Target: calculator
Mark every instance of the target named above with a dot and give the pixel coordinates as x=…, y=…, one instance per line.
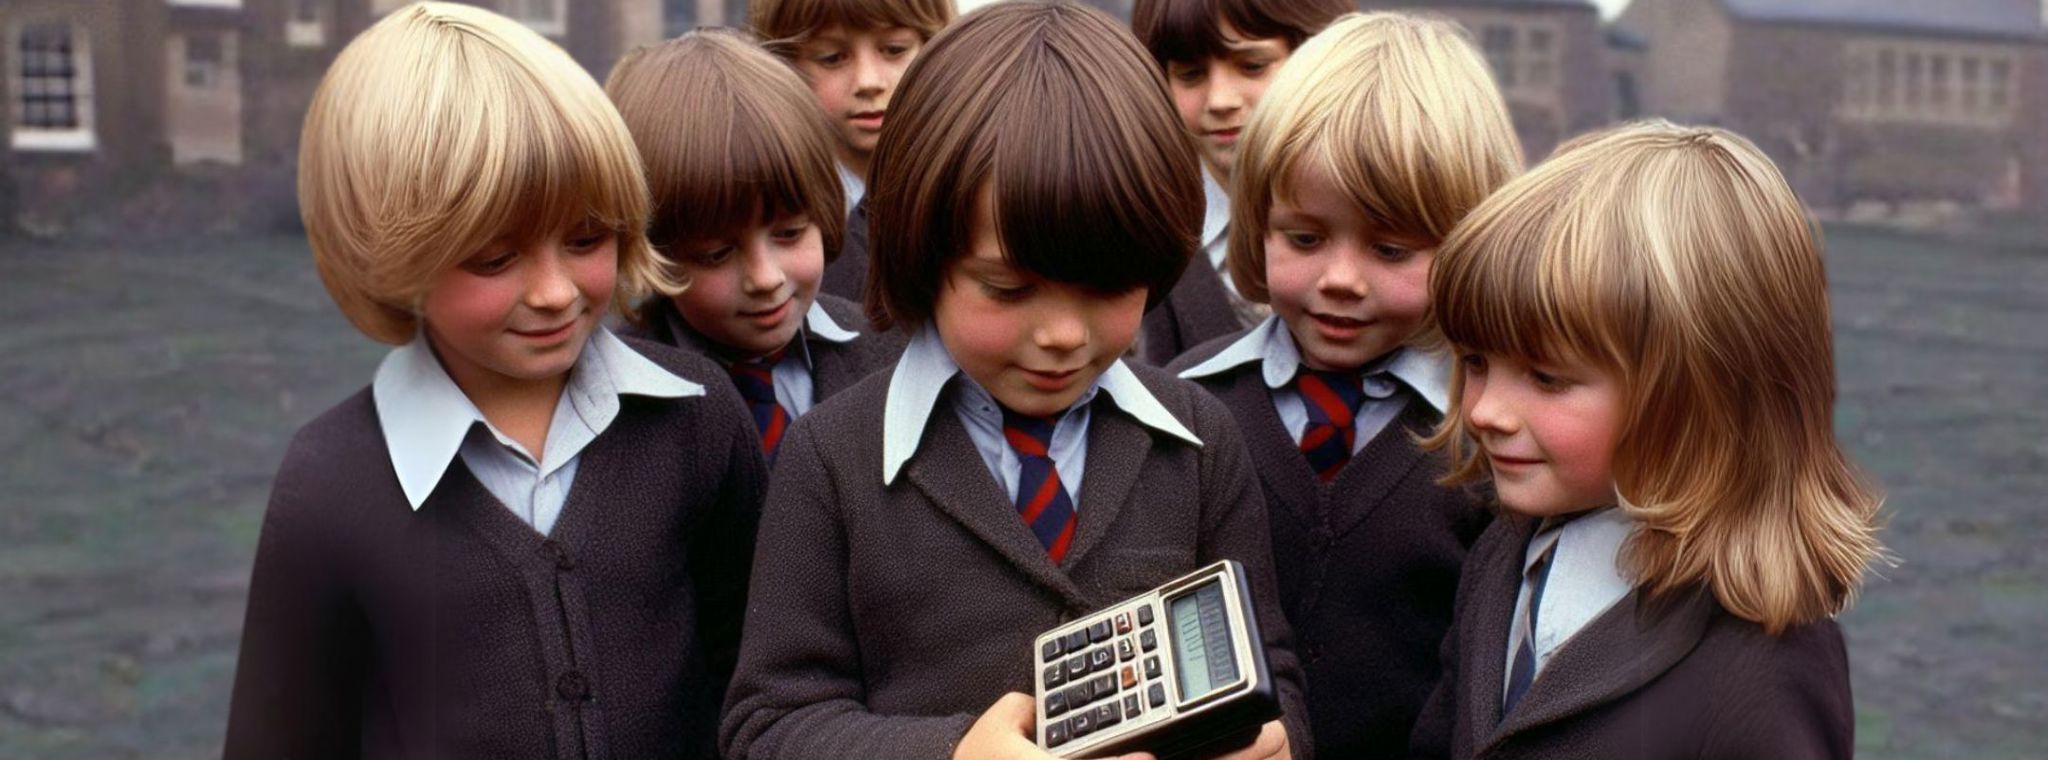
x=1175, y=671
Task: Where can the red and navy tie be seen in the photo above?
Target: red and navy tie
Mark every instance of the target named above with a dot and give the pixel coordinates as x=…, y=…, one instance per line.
x=756, y=381
x=1332, y=399
x=1041, y=500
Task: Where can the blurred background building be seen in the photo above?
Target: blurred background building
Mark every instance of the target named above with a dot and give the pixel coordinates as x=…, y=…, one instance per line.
x=171, y=111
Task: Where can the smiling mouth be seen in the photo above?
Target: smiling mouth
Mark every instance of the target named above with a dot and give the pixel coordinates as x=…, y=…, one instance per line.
x=1506, y=461
x=545, y=333
x=770, y=314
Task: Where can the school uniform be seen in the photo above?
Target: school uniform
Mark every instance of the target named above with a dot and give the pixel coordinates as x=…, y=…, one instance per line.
x=1204, y=304
x=1676, y=677
x=906, y=587
x=846, y=276
x=1367, y=559
x=426, y=588
x=831, y=352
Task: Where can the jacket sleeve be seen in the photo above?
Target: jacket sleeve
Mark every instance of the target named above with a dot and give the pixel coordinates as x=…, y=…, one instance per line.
x=723, y=554
x=298, y=683
x=1785, y=697
x=1235, y=527
x=799, y=691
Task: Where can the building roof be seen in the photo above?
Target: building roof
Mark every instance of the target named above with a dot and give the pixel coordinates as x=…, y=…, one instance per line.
x=2008, y=19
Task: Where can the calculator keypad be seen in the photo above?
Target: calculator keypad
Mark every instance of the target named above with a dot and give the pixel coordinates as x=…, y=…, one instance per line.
x=1092, y=677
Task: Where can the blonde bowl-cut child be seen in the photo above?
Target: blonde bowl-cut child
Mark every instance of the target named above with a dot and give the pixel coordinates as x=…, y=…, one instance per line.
x=526, y=537
x=1378, y=136
x=394, y=190
x=1647, y=379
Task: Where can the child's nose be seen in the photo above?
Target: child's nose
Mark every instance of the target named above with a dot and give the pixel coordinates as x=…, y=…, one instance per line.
x=1344, y=275
x=1061, y=329
x=551, y=287
x=761, y=273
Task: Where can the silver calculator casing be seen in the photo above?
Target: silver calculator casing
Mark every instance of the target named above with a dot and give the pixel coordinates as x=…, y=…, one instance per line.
x=1180, y=724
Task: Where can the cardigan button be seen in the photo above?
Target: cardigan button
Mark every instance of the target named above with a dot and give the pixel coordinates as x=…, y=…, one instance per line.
x=571, y=686
x=552, y=549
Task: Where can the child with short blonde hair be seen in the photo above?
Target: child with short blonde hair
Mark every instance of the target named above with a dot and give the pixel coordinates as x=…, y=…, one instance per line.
x=1647, y=381
x=851, y=53
x=1381, y=133
x=527, y=536
x=747, y=205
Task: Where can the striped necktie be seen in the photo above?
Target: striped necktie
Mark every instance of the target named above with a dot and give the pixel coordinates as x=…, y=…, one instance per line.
x=1041, y=500
x=1332, y=400
x=755, y=379
x=1524, y=671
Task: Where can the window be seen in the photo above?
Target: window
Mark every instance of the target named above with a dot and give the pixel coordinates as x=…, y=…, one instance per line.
x=305, y=25
x=1524, y=58
x=548, y=17
x=1947, y=83
x=205, y=61
x=51, y=68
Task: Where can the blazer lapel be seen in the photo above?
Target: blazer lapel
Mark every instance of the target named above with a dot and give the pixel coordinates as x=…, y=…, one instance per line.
x=1281, y=466
x=1629, y=645
x=1484, y=625
x=1117, y=448
x=1380, y=467
x=958, y=484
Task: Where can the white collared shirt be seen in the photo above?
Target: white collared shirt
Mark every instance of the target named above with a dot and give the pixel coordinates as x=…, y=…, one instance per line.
x=921, y=376
x=1585, y=579
x=1280, y=360
x=794, y=386
x=427, y=421
x=1216, y=227
x=856, y=186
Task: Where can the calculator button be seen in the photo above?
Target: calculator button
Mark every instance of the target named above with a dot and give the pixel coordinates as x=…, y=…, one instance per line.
x=1130, y=707
x=1099, y=631
x=1130, y=676
x=1107, y=715
x=1149, y=640
x=1050, y=652
x=1125, y=651
x=1077, y=666
x=1056, y=734
x=1055, y=703
x=1156, y=695
x=1123, y=623
x=1078, y=695
x=1145, y=615
x=1082, y=724
x=1102, y=686
x=1100, y=658
x=1055, y=675
x=1151, y=668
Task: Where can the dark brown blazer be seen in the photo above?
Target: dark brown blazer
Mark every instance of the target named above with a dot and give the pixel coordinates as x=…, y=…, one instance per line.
x=834, y=366
x=1674, y=678
x=457, y=631
x=1196, y=311
x=885, y=619
x=1368, y=564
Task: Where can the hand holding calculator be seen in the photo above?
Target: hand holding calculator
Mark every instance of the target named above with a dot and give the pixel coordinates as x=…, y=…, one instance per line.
x=1172, y=671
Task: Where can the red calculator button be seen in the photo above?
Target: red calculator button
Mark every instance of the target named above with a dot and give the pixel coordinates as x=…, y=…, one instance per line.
x=1130, y=676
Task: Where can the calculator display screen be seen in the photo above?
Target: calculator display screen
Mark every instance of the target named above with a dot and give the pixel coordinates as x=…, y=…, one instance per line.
x=1203, y=652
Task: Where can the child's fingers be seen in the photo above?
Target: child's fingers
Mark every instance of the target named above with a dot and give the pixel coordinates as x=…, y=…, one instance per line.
x=1016, y=709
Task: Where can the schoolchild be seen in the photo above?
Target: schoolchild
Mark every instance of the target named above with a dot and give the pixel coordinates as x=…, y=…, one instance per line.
x=1012, y=471
x=1381, y=133
x=852, y=53
x=747, y=204
x=1219, y=56
x=527, y=537
x=1647, y=378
